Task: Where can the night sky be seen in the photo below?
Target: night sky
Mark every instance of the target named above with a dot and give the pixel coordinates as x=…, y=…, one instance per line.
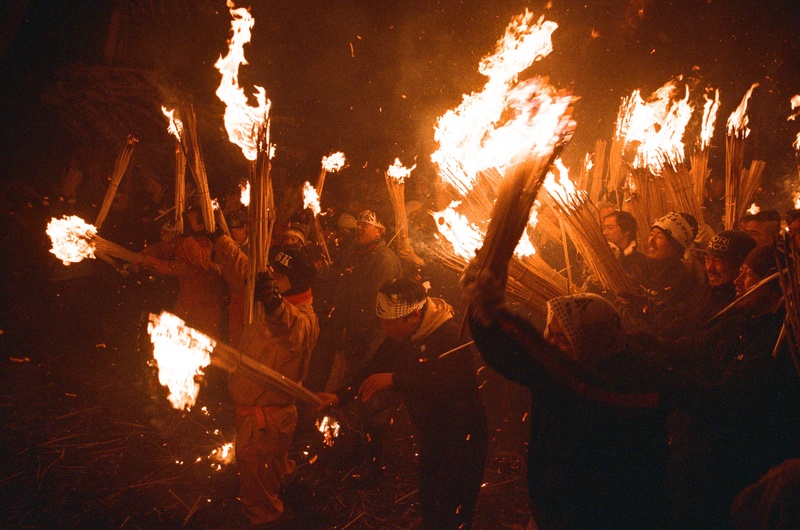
x=371, y=77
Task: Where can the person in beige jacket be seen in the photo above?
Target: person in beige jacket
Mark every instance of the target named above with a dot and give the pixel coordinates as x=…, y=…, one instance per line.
x=282, y=335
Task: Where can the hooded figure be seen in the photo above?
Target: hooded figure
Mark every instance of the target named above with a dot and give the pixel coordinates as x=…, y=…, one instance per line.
x=597, y=456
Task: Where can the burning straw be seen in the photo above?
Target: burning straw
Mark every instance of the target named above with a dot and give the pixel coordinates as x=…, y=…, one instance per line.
x=175, y=128
x=311, y=202
x=194, y=156
x=181, y=353
x=734, y=162
x=116, y=177
x=789, y=277
x=395, y=183
x=330, y=164
x=580, y=219
x=73, y=240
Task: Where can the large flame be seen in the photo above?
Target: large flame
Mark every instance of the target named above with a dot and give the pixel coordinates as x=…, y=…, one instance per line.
x=311, y=198
x=795, y=102
x=241, y=120
x=329, y=428
x=181, y=353
x=244, y=194
x=738, y=120
x=563, y=188
x=399, y=172
x=175, y=126
x=657, y=125
x=333, y=162
x=796, y=200
x=710, y=109
x=71, y=237
x=489, y=127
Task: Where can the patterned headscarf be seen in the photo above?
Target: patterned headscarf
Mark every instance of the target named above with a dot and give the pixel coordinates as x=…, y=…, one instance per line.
x=591, y=324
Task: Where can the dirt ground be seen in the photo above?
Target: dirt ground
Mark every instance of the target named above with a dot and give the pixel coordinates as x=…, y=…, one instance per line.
x=90, y=441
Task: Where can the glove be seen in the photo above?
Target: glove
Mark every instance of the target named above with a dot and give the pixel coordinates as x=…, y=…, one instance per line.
x=266, y=292
x=484, y=292
x=216, y=234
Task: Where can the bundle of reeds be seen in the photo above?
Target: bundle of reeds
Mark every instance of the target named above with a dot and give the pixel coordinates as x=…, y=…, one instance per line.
x=580, y=220
x=180, y=186
x=262, y=218
x=680, y=188
x=194, y=157
x=120, y=166
x=644, y=199
x=74, y=240
x=395, y=184
x=750, y=180
x=734, y=159
x=789, y=277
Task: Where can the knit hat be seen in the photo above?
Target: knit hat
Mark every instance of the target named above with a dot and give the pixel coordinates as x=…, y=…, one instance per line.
x=731, y=244
x=296, y=266
x=591, y=324
x=296, y=230
x=370, y=217
x=237, y=219
x=346, y=221
x=677, y=228
x=390, y=306
x=762, y=260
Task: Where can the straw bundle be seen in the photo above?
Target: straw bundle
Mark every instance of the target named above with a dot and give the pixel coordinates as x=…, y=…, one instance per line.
x=734, y=159
x=262, y=218
x=120, y=166
x=180, y=186
x=645, y=200
x=396, y=188
x=748, y=185
x=194, y=157
x=103, y=246
x=681, y=189
x=580, y=220
x=789, y=277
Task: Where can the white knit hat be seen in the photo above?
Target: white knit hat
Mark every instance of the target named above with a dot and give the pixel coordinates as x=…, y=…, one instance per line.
x=370, y=217
x=676, y=226
x=591, y=324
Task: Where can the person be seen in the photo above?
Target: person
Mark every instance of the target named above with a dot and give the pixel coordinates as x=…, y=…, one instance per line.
x=371, y=265
x=281, y=337
x=742, y=393
x=793, y=225
x=771, y=503
x=200, y=285
x=230, y=256
x=238, y=223
x=669, y=289
x=764, y=226
x=724, y=255
x=619, y=229
x=294, y=236
x=425, y=361
x=597, y=456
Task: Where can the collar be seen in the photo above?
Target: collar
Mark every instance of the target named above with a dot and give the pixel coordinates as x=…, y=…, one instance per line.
x=298, y=298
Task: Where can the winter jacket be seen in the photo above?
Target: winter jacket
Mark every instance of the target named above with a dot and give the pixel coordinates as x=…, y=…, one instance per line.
x=232, y=262
x=281, y=340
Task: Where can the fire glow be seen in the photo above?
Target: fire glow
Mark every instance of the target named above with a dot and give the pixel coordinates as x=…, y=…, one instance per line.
x=334, y=162
x=71, y=237
x=175, y=127
x=241, y=120
x=738, y=120
x=657, y=124
x=477, y=135
x=311, y=198
x=754, y=209
x=329, y=428
x=710, y=109
x=399, y=172
x=180, y=353
x=244, y=194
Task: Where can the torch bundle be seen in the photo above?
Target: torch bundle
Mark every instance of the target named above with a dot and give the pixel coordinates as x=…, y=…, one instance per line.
x=73, y=240
x=181, y=353
x=116, y=177
x=740, y=183
x=395, y=183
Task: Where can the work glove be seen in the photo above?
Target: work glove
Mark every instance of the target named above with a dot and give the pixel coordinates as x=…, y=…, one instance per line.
x=266, y=292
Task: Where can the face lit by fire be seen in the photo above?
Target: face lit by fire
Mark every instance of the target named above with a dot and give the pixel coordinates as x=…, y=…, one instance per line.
x=658, y=245
x=555, y=336
x=747, y=279
x=614, y=234
x=367, y=233
x=720, y=271
x=239, y=234
x=195, y=220
x=401, y=329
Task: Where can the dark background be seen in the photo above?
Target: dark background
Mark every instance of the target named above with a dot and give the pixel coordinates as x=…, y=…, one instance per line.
x=410, y=62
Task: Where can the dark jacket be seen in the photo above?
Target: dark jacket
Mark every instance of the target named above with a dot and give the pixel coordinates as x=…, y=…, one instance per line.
x=598, y=452
x=670, y=293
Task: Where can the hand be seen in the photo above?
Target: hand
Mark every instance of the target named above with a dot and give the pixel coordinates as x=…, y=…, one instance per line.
x=216, y=234
x=484, y=292
x=374, y=384
x=266, y=292
x=328, y=400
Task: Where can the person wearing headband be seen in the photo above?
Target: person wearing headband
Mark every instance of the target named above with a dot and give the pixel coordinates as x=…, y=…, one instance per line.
x=424, y=360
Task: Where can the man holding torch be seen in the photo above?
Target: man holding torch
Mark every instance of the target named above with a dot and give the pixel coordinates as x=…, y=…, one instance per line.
x=282, y=335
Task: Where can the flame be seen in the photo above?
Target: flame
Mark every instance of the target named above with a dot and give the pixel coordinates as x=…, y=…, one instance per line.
x=588, y=163
x=175, y=127
x=796, y=200
x=399, y=172
x=490, y=127
x=795, y=102
x=311, y=198
x=738, y=120
x=71, y=237
x=241, y=120
x=710, y=109
x=223, y=454
x=754, y=209
x=181, y=353
x=564, y=189
x=329, y=428
x=333, y=163
x=214, y=204
x=657, y=125
x=796, y=143
x=244, y=196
